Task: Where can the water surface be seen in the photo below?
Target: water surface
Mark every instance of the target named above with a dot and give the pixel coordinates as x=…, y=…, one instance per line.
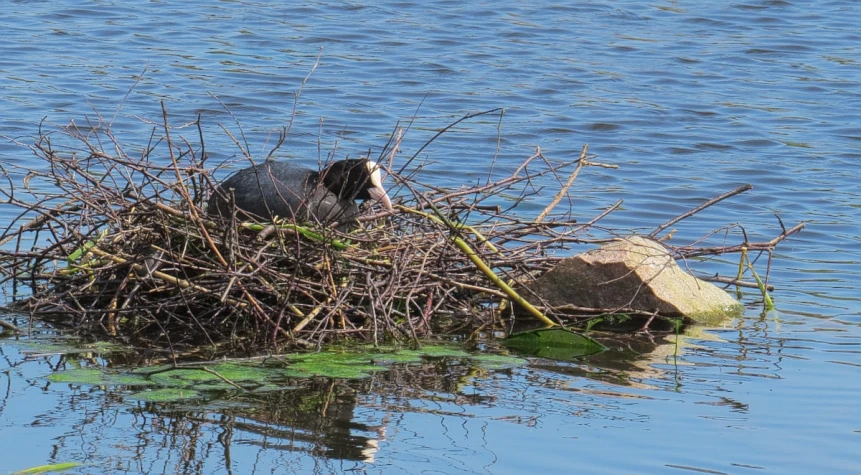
x=690, y=100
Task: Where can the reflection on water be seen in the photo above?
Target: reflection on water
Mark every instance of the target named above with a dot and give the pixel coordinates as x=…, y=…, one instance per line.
x=317, y=419
x=337, y=422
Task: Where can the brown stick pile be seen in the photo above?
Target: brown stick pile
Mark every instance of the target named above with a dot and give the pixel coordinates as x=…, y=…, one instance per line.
x=111, y=244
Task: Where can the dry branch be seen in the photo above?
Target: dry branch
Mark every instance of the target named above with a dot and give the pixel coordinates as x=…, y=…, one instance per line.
x=108, y=243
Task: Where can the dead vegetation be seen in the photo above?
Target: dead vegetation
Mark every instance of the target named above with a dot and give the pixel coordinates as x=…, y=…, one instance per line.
x=113, y=244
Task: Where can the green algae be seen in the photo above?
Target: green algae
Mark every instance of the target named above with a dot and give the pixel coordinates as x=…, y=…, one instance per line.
x=167, y=383
x=552, y=343
x=95, y=376
x=216, y=376
x=128, y=379
x=361, y=362
x=413, y=356
x=89, y=376
x=58, y=345
x=342, y=365
x=166, y=395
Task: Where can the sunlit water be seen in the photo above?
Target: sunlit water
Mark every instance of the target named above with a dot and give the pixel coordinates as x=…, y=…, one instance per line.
x=689, y=99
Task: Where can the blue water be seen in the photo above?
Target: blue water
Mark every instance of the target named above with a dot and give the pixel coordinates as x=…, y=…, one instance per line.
x=688, y=99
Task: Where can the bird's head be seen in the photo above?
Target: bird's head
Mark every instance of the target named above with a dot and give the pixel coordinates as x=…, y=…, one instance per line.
x=356, y=179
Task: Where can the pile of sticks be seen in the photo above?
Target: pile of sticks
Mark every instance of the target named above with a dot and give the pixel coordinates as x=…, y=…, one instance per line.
x=111, y=244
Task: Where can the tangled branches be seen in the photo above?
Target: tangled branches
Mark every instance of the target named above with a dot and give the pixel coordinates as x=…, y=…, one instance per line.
x=112, y=244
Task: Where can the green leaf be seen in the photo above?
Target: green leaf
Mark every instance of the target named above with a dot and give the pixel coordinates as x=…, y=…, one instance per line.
x=431, y=351
x=98, y=377
x=90, y=376
x=166, y=395
x=395, y=354
x=409, y=356
x=553, y=343
x=332, y=365
x=128, y=379
x=65, y=346
x=54, y=467
x=80, y=252
x=190, y=376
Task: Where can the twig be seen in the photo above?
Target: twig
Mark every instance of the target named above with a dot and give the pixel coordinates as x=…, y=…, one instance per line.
x=699, y=208
x=9, y=326
x=564, y=190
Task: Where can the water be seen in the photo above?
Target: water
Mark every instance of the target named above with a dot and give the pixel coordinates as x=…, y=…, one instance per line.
x=690, y=100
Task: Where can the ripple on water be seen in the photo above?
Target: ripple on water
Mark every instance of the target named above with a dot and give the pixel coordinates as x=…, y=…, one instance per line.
x=689, y=102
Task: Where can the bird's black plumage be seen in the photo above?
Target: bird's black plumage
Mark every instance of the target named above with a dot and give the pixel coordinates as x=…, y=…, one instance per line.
x=290, y=191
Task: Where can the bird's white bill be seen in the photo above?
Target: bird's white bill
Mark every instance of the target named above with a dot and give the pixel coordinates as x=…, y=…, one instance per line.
x=379, y=194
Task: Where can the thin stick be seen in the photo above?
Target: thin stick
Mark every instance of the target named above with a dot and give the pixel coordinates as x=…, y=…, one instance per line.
x=142, y=270
x=733, y=281
x=9, y=326
x=699, y=208
x=184, y=192
x=564, y=190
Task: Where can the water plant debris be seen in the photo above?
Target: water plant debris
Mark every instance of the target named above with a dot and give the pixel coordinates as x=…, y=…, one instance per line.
x=166, y=383
x=115, y=244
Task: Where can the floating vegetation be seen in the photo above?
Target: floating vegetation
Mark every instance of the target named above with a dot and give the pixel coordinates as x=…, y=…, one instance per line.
x=194, y=380
x=54, y=467
x=90, y=376
x=552, y=343
x=67, y=345
x=347, y=365
x=166, y=395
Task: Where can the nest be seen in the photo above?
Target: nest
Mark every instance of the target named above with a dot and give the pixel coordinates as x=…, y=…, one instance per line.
x=110, y=244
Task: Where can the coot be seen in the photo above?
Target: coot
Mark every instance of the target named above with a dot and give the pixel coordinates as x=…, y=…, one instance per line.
x=290, y=191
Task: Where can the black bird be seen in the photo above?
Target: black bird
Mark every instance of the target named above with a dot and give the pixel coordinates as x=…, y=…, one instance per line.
x=290, y=191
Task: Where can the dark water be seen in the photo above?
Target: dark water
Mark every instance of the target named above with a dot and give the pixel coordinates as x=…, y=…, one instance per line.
x=689, y=99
